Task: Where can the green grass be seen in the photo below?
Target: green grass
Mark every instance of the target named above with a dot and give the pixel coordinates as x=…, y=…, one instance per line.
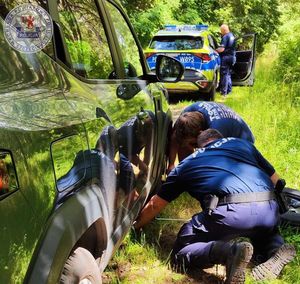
x=273, y=115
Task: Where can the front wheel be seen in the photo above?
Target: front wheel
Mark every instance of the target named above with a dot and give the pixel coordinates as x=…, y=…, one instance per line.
x=81, y=268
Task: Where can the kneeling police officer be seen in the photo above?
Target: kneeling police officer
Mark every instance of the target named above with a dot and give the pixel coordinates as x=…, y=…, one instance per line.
x=235, y=187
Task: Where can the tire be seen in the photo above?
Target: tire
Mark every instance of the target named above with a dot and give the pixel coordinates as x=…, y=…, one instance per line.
x=212, y=93
x=292, y=216
x=82, y=268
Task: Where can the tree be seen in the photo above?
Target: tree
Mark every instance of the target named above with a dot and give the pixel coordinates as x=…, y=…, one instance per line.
x=137, y=5
x=259, y=16
x=243, y=16
x=196, y=11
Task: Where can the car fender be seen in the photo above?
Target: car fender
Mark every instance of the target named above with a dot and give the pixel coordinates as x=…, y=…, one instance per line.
x=65, y=227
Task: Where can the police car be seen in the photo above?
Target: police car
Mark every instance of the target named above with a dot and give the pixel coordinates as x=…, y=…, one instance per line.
x=194, y=47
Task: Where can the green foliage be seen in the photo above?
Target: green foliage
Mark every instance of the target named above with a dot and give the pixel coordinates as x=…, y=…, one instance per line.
x=187, y=12
x=137, y=5
x=288, y=65
x=195, y=11
x=259, y=16
x=148, y=22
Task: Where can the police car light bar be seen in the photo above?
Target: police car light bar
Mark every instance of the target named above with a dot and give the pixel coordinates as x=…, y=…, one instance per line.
x=177, y=28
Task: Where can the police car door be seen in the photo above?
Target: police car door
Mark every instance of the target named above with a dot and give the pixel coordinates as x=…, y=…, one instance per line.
x=243, y=69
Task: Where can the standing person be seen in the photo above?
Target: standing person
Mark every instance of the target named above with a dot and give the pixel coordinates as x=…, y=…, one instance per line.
x=228, y=58
x=198, y=117
x=234, y=185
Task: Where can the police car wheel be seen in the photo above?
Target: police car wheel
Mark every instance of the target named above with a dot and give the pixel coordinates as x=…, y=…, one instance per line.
x=212, y=92
x=81, y=268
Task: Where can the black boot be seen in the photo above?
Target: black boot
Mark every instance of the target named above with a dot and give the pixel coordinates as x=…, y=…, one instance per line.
x=235, y=256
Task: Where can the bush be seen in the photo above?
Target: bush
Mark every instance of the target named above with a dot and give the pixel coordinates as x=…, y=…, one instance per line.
x=287, y=66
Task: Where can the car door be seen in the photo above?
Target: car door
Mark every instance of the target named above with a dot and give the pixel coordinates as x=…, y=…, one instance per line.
x=138, y=135
x=214, y=55
x=102, y=82
x=243, y=69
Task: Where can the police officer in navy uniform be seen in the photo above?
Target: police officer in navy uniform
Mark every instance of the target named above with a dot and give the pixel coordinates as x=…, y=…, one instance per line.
x=228, y=58
x=234, y=185
x=198, y=117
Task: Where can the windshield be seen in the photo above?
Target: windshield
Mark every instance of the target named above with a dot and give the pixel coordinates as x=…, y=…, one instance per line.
x=176, y=42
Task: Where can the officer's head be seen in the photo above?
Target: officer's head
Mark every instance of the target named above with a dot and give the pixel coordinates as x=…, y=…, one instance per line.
x=187, y=127
x=224, y=29
x=207, y=136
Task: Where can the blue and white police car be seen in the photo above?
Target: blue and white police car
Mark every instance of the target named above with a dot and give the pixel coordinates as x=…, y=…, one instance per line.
x=194, y=46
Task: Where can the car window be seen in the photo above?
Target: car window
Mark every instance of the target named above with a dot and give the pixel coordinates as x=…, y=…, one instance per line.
x=176, y=43
x=212, y=42
x=245, y=43
x=129, y=48
x=85, y=38
x=7, y=5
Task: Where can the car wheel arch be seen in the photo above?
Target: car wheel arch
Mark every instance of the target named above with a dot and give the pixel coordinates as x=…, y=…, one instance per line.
x=63, y=234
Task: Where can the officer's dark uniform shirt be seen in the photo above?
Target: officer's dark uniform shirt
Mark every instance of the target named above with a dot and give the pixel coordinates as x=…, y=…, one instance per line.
x=224, y=166
x=223, y=119
x=228, y=42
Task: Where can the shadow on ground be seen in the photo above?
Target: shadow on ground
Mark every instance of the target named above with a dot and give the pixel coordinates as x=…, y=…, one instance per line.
x=163, y=237
x=176, y=98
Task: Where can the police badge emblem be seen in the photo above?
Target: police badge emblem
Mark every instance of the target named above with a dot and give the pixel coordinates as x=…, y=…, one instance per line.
x=28, y=28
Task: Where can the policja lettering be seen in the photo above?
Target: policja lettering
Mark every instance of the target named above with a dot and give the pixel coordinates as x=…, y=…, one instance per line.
x=221, y=142
x=211, y=110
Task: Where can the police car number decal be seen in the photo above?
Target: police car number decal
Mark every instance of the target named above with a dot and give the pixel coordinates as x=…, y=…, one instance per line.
x=186, y=59
x=189, y=61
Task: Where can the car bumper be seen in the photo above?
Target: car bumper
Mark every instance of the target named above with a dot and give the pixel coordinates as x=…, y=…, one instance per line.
x=193, y=81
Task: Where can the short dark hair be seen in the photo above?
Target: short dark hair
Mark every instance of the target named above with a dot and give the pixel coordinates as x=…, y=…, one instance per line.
x=188, y=125
x=208, y=135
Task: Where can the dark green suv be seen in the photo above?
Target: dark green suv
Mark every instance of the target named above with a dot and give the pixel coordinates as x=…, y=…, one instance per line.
x=83, y=125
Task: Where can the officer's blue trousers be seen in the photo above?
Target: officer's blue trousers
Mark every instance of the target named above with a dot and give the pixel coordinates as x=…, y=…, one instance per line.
x=257, y=221
x=225, y=74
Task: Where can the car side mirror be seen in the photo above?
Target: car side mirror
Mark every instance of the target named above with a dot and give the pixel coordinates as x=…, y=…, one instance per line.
x=168, y=69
